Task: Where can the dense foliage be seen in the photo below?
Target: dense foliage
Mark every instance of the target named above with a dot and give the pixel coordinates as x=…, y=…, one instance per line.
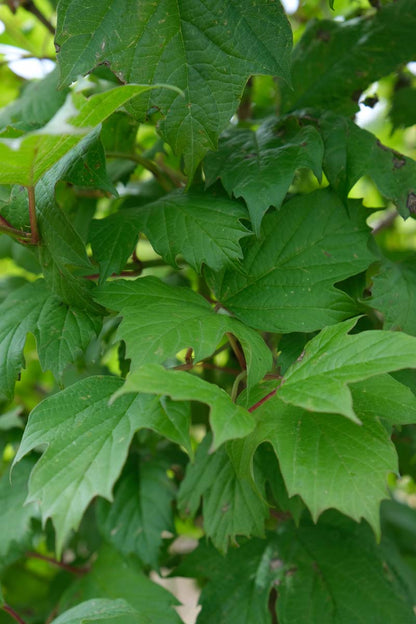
x=208, y=311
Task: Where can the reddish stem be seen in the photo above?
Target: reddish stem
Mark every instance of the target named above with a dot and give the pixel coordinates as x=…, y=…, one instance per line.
x=59, y=564
x=13, y=613
x=32, y=215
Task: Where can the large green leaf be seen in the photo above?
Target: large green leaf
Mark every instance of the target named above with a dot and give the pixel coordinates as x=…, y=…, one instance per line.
x=394, y=294
x=87, y=442
x=140, y=512
x=227, y=419
x=25, y=159
x=259, y=165
x=116, y=578
x=207, y=49
x=160, y=320
x=204, y=228
x=98, y=610
x=384, y=397
x=287, y=275
x=232, y=506
x=61, y=332
x=319, y=380
x=335, y=61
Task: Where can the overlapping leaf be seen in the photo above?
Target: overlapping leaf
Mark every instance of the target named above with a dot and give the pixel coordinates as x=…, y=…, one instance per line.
x=204, y=228
x=207, y=49
x=98, y=610
x=113, y=240
x=159, y=320
x=287, y=276
x=87, y=442
x=335, y=61
x=319, y=380
x=231, y=505
x=227, y=419
x=61, y=332
x=394, y=294
x=271, y=154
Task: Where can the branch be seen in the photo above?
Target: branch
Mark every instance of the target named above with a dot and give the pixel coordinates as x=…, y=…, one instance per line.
x=265, y=398
x=13, y=613
x=147, y=164
x=132, y=270
x=237, y=351
x=32, y=216
x=7, y=228
x=58, y=564
x=30, y=6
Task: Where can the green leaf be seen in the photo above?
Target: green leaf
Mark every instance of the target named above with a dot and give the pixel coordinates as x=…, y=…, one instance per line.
x=113, y=240
x=215, y=48
x=319, y=380
x=232, y=505
x=140, y=512
x=328, y=460
x=271, y=154
x=287, y=275
x=159, y=320
x=403, y=107
x=338, y=576
x=95, y=610
x=25, y=159
x=113, y=577
x=384, y=397
x=394, y=294
x=335, y=61
x=204, y=228
x=15, y=516
x=351, y=153
x=36, y=106
x=87, y=442
x=61, y=332
x=227, y=419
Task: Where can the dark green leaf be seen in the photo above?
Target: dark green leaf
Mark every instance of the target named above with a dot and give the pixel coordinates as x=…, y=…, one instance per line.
x=259, y=166
x=403, y=107
x=287, y=276
x=113, y=240
x=215, y=47
x=394, y=294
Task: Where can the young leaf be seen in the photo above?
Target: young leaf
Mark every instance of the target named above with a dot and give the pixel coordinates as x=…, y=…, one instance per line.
x=335, y=61
x=160, y=320
x=87, y=442
x=204, y=228
x=271, y=154
x=24, y=160
x=227, y=419
x=140, y=512
x=216, y=48
x=333, y=359
x=98, y=610
x=394, y=294
x=232, y=505
x=116, y=578
x=287, y=276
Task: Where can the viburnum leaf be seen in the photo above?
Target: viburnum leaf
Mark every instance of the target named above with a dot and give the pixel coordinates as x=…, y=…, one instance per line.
x=112, y=241
x=98, y=610
x=160, y=320
x=272, y=153
x=216, y=48
x=61, y=332
x=335, y=61
x=227, y=419
x=15, y=516
x=319, y=380
x=25, y=159
x=112, y=576
x=86, y=442
x=203, y=227
x=352, y=152
x=384, y=397
x=319, y=589
x=403, y=107
x=232, y=505
x=140, y=512
x=394, y=294
x=286, y=279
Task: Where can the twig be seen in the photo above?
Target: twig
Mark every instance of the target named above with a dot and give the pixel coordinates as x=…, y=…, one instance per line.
x=207, y=366
x=132, y=270
x=7, y=228
x=147, y=164
x=265, y=398
x=237, y=351
x=236, y=385
x=385, y=223
x=13, y=614
x=58, y=564
x=30, y=6
x=32, y=216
